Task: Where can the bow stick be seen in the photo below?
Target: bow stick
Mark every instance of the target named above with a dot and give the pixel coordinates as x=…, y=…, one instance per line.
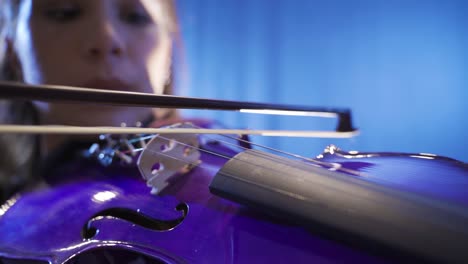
x=13, y=90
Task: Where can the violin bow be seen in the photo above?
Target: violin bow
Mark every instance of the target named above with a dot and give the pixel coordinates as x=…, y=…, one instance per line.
x=49, y=93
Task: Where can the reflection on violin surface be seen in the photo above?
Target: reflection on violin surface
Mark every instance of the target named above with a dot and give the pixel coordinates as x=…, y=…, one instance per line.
x=276, y=208
x=171, y=196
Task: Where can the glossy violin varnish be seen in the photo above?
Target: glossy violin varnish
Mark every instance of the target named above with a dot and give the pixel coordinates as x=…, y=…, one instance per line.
x=307, y=194
x=200, y=199
x=115, y=217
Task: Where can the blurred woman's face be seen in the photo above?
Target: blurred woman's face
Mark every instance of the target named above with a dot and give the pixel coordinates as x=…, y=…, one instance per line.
x=107, y=44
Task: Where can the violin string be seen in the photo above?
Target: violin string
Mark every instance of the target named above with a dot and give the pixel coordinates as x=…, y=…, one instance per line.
x=202, y=150
x=201, y=165
x=329, y=165
x=297, y=156
x=326, y=164
x=237, y=146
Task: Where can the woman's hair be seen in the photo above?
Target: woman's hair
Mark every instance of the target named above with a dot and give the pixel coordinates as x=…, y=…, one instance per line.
x=20, y=152
x=8, y=18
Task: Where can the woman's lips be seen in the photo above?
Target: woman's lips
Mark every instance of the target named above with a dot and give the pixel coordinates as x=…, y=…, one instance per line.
x=110, y=84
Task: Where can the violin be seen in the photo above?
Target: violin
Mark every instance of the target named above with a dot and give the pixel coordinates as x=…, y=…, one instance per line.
x=224, y=199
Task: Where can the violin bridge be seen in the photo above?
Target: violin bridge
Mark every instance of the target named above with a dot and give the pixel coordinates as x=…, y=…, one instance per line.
x=168, y=156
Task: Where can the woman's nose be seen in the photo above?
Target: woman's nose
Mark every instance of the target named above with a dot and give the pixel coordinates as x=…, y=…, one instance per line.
x=104, y=40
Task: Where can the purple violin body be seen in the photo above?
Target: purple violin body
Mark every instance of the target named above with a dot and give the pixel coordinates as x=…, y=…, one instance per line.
x=195, y=226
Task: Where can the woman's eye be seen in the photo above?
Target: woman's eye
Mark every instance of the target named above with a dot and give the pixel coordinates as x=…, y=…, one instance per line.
x=63, y=14
x=136, y=18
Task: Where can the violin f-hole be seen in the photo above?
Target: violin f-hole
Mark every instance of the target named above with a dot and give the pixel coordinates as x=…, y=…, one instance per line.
x=134, y=217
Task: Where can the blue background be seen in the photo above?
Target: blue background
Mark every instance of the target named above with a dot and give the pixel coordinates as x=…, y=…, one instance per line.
x=400, y=66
